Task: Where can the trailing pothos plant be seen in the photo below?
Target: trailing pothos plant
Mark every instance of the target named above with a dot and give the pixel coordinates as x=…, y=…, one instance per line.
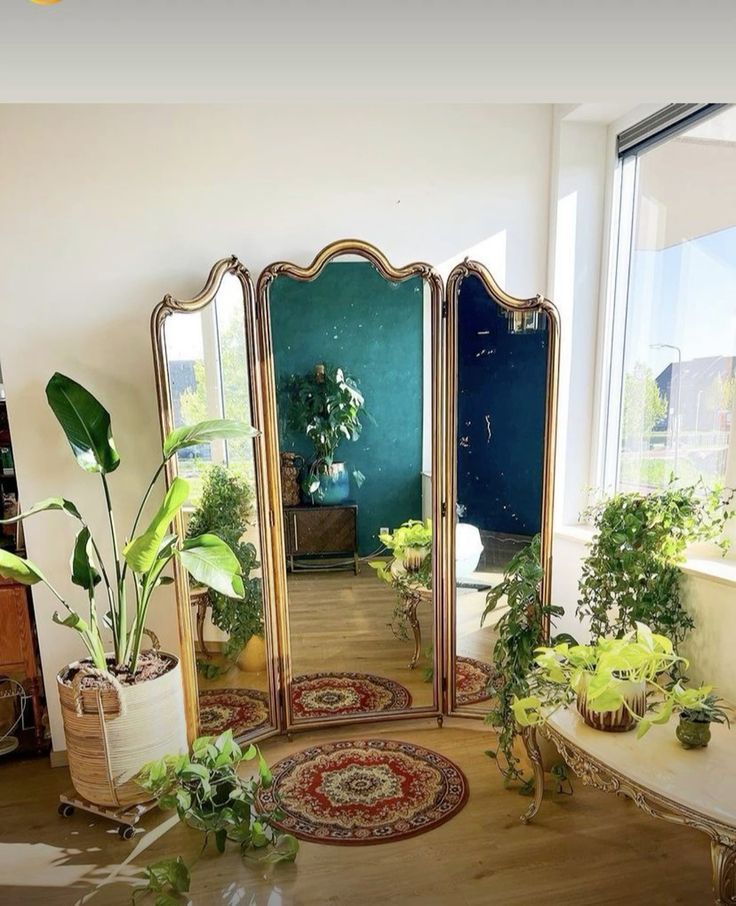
x=211, y=796
x=631, y=574
x=139, y=562
x=326, y=406
x=520, y=630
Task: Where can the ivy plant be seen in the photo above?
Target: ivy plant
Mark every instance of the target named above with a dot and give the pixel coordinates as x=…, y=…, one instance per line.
x=631, y=574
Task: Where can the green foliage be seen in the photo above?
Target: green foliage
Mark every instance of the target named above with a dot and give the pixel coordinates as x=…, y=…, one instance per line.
x=643, y=405
x=86, y=424
x=209, y=795
x=326, y=406
x=226, y=510
x=168, y=880
x=631, y=574
x=520, y=631
x=700, y=705
x=563, y=670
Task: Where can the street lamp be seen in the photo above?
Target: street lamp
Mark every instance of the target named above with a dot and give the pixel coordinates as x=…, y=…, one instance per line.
x=676, y=431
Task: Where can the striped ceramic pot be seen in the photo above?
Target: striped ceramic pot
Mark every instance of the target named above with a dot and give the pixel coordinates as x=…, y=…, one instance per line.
x=621, y=720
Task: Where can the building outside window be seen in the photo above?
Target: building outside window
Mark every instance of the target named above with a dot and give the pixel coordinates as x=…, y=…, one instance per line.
x=672, y=400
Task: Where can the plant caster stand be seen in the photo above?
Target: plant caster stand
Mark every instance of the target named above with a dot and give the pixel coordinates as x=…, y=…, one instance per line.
x=126, y=816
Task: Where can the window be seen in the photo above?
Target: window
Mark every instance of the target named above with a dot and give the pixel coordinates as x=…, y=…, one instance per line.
x=672, y=400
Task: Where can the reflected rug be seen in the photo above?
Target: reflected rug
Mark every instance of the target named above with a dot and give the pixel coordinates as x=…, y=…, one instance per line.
x=358, y=792
x=471, y=680
x=338, y=694
x=239, y=710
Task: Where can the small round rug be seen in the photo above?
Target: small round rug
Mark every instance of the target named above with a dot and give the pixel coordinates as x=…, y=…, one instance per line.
x=358, y=792
x=339, y=694
x=239, y=710
x=471, y=680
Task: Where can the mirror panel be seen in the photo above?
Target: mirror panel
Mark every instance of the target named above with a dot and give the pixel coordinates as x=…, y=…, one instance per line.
x=501, y=499
x=208, y=370
x=353, y=348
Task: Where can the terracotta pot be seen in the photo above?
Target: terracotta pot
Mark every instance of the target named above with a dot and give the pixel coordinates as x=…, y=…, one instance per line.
x=621, y=720
x=111, y=733
x=693, y=734
x=252, y=659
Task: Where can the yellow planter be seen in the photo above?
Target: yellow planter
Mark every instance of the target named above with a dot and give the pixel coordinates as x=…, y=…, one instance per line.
x=252, y=659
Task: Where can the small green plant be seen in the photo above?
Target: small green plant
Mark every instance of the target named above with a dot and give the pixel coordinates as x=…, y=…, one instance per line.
x=562, y=671
x=631, y=574
x=226, y=510
x=168, y=880
x=140, y=562
x=210, y=796
x=326, y=406
x=521, y=630
x=702, y=705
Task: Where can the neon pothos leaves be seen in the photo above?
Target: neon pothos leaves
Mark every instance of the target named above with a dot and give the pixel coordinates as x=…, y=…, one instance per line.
x=205, y=433
x=85, y=422
x=212, y=563
x=83, y=568
x=141, y=553
x=50, y=503
x=18, y=569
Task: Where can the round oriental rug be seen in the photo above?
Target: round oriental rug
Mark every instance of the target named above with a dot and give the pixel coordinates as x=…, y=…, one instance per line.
x=339, y=694
x=239, y=710
x=471, y=680
x=358, y=792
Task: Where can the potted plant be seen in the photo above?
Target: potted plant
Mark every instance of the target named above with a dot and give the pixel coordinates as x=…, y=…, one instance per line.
x=631, y=573
x=608, y=680
x=698, y=709
x=225, y=509
x=325, y=405
x=123, y=707
x=520, y=632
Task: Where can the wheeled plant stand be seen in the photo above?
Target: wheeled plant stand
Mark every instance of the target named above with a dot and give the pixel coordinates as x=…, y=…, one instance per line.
x=126, y=818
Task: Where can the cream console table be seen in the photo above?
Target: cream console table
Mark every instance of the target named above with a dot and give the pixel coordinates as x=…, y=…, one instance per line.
x=695, y=788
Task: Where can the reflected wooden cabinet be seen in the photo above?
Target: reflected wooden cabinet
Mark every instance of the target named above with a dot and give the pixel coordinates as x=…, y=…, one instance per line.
x=326, y=530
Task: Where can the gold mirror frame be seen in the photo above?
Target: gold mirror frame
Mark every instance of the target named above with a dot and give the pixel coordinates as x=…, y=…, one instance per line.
x=168, y=306
x=432, y=279
x=511, y=303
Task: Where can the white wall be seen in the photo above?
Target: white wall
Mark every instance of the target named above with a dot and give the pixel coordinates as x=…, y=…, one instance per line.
x=104, y=209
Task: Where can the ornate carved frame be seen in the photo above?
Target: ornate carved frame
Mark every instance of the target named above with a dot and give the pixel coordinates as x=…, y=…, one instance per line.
x=595, y=773
x=497, y=296
x=433, y=281
x=165, y=308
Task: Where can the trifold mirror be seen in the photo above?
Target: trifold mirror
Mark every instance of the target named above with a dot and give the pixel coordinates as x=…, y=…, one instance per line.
x=404, y=456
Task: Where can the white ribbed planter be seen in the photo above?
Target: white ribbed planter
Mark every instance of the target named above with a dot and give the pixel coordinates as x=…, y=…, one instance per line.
x=109, y=740
x=621, y=720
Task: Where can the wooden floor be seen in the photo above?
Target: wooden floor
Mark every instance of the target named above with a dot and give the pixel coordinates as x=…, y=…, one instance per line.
x=591, y=848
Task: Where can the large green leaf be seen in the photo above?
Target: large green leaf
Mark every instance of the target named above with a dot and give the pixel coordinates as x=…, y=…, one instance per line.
x=86, y=424
x=212, y=563
x=18, y=569
x=205, y=433
x=50, y=503
x=141, y=553
x=82, y=564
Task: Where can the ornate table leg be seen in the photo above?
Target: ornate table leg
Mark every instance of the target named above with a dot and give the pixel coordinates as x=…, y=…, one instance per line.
x=529, y=737
x=201, y=614
x=724, y=873
x=410, y=611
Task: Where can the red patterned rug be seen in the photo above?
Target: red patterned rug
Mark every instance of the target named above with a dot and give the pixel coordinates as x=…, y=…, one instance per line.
x=340, y=694
x=471, y=680
x=239, y=710
x=357, y=792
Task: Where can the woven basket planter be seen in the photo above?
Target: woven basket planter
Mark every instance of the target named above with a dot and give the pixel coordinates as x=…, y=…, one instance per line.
x=111, y=733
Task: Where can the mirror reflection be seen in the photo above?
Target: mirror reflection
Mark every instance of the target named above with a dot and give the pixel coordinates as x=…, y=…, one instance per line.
x=352, y=361
x=500, y=442
x=208, y=378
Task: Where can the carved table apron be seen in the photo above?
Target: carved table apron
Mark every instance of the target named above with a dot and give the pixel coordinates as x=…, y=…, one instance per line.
x=695, y=788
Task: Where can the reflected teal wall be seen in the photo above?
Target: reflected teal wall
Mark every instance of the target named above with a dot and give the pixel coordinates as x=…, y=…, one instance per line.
x=351, y=317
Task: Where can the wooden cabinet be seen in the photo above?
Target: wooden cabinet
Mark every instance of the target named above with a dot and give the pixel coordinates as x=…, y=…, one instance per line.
x=321, y=530
x=17, y=651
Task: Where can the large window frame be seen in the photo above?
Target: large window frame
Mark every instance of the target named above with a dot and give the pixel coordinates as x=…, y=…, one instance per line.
x=630, y=145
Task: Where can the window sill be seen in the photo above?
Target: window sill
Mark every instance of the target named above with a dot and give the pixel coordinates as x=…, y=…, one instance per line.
x=714, y=568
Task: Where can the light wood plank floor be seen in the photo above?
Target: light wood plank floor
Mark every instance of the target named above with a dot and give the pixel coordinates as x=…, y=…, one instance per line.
x=588, y=849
